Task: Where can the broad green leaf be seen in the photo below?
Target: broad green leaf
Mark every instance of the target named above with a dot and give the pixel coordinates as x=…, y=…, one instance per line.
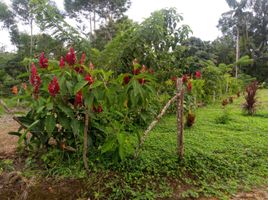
x=79, y=86
x=50, y=124
x=67, y=110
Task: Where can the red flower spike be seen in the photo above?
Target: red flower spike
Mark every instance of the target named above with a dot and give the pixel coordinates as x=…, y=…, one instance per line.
x=89, y=79
x=78, y=99
x=35, y=79
x=43, y=61
x=83, y=59
x=141, y=81
x=79, y=70
x=174, y=78
x=126, y=79
x=136, y=71
x=62, y=63
x=143, y=69
x=91, y=66
x=99, y=110
x=71, y=57
x=197, y=74
x=184, y=78
x=151, y=71
x=53, y=87
x=189, y=86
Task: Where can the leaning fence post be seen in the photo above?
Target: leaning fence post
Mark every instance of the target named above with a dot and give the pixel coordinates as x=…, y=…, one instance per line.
x=180, y=101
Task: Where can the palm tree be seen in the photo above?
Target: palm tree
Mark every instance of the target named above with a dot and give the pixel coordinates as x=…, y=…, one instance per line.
x=236, y=19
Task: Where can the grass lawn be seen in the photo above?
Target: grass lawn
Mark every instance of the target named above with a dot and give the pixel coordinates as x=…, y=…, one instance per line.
x=219, y=158
x=222, y=156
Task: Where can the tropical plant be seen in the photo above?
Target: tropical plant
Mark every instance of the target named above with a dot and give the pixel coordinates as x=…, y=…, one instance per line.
x=72, y=104
x=251, y=99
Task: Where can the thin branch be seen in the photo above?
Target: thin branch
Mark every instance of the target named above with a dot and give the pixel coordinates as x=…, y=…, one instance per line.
x=152, y=125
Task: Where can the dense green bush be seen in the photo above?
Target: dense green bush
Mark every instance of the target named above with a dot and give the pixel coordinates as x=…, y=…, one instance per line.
x=62, y=94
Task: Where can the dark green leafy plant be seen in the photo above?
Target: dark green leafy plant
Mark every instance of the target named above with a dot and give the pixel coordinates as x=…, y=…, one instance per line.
x=63, y=94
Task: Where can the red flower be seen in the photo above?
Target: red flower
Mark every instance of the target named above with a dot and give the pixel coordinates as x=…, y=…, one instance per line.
x=184, y=78
x=53, y=87
x=136, y=71
x=151, y=71
x=141, y=81
x=79, y=70
x=71, y=57
x=126, y=79
x=91, y=66
x=189, y=86
x=83, y=59
x=197, y=74
x=62, y=63
x=78, y=99
x=89, y=79
x=99, y=110
x=143, y=69
x=35, y=79
x=174, y=78
x=43, y=61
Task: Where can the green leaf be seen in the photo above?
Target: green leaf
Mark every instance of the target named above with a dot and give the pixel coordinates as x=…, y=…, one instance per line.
x=68, y=111
x=75, y=124
x=50, y=124
x=121, y=142
x=109, y=146
x=15, y=133
x=79, y=86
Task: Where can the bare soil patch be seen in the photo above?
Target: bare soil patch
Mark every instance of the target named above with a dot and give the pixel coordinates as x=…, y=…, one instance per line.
x=7, y=142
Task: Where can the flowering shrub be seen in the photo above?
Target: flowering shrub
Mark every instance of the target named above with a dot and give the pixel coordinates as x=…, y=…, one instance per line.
x=62, y=95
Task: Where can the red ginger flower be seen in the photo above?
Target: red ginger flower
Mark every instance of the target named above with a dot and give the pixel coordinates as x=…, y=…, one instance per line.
x=189, y=86
x=62, y=63
x=100, y=109
x=83, y=59
x=78, y=99
x=89, y=79
x=71, y=57
x=126, y=79
x=184, y=78
x=43, y=61
x=143, y=69
x=35, y=79
x=174, y=78
x=136, y=71
x=141, y=81
x=53, y=87
x=79, y=70
x=91, y=66
x=197, y=74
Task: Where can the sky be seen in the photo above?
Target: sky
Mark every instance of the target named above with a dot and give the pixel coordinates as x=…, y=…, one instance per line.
x=201, y=15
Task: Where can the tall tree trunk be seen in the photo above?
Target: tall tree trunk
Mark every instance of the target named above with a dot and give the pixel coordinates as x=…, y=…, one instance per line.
x=90, y=23
x=94, y=19
x=237, y=55
x=31, y=45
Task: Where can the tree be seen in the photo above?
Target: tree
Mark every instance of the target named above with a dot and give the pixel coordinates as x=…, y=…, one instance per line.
x=8, y=19
x=96, y=11
x=235, y=21
x=250, y=18
x=156, y=42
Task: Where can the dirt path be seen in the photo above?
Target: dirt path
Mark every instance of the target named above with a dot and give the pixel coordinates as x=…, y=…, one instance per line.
x=255, y=194
x=7, y=142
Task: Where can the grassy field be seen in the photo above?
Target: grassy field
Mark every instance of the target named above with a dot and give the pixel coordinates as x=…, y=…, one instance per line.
x=225, y=152
x=221, y=155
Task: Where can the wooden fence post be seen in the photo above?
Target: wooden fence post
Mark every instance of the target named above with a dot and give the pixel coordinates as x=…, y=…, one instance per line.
x=180, y=101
